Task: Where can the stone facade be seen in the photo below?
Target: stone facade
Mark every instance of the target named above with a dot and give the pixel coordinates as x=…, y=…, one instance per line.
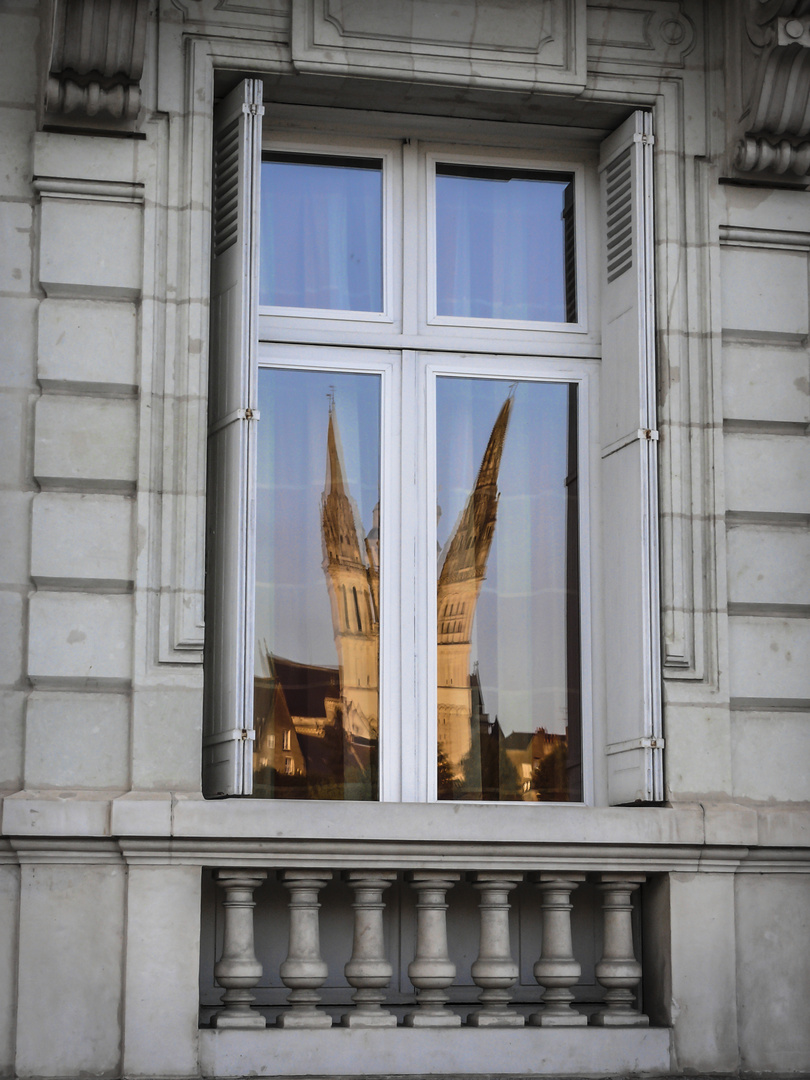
x=109, y=922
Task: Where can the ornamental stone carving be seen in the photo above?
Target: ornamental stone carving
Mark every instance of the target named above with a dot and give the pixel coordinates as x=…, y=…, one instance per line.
x=777, y=117
x=97, y=57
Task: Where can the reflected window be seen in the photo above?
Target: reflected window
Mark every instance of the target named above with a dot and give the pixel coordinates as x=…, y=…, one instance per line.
x=504, y=244
x=321, y=232
x=508, y=625
x=317, y=553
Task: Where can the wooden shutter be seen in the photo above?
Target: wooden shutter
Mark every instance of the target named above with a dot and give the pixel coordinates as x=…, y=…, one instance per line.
x=230, y=558
x=629, y=468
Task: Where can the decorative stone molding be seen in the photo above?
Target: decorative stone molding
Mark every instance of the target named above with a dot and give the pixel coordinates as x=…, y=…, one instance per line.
x=507, y=44
x=777, y=118
x=97, y=57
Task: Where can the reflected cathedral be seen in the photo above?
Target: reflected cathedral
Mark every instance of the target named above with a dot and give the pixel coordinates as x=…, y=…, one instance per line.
x=317, y=726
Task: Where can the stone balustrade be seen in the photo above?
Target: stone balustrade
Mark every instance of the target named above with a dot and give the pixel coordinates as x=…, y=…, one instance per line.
x=431, y=971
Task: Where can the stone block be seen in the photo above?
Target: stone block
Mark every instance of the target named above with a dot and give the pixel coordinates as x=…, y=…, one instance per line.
x=87, y=343
x=82, y=538
x=90, y=248
x=86, y=443
x=773, y=961
x=15, y=256
x=11, y=638
x=142, y=813
x=765, y=208
x=18, y=47
x=75, y=740
x=709, y=772
x=453, y=1052
x=768, y=658
x=71, y=969
x=768, y=565
x=9, y=914
x=16, y=128
x=766, y=382
x=765, y=291
x=18, y=317
x=12, y=738
x=166, y=739
x=79, y=638
x=771, y=755
x=162, y=971
x=14, y=428
x=57, y=814
x=85, y=157
x=15, y=514
x=769, y=473
x=704, y=1014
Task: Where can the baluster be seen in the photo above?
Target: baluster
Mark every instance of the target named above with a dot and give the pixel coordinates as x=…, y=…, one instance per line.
x=431, y=971
x=368, y=970
x=557, y=970
x=618, y=970
x=237, y=969
x=304, y=970
x=495, y=971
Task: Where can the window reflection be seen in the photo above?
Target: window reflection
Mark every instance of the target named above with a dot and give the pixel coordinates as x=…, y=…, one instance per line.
x=321, y=232
x=504, y=244
x=508, y=647
x=317, y=586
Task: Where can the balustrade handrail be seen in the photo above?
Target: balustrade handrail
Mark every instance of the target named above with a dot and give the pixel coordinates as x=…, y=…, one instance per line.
x=431, y=971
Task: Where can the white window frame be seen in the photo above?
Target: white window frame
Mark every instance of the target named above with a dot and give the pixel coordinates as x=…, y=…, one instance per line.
x=636, y=759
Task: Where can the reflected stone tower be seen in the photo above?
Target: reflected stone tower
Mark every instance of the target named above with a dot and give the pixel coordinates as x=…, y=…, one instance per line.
x=460, y=580
x=352, y=574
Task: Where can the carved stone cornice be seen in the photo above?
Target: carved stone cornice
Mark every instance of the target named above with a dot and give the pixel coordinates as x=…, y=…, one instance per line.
x=97, y=57
x=777, y=118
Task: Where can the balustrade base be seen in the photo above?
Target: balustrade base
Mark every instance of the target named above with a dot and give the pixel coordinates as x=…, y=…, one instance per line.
x=431, y=1020
x=548, y=1020
x=551, y=1052
x=485, y=1020
x=620, y=1020
x=243, y=1020
x=313, y=1020
x=368, y=1020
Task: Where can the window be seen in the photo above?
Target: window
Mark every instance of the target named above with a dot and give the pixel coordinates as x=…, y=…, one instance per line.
x=402, y=478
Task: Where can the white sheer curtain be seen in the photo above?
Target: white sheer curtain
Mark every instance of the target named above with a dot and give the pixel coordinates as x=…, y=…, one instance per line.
x=321, y=233
x=500, y=242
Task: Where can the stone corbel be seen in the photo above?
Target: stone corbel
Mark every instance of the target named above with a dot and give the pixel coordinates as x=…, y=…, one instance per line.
x=97, y=57
x=777, y=119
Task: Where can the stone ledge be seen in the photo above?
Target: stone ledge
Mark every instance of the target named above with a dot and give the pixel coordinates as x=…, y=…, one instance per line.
x=438, y=1052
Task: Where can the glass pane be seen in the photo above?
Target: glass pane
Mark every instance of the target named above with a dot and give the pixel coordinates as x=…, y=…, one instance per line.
x=504, y=244
x=317, y=586
x=321, y=232
x=508, y=645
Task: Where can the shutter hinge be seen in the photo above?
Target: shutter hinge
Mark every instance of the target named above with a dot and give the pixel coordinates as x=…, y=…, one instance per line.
x=640, y=434
x=646, y=742
x=232, y=417
x=253, y=109
x=248, y=735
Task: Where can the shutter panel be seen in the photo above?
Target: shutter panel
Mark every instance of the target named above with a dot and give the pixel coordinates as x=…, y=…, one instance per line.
x=629, y=468
x=228, y=716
